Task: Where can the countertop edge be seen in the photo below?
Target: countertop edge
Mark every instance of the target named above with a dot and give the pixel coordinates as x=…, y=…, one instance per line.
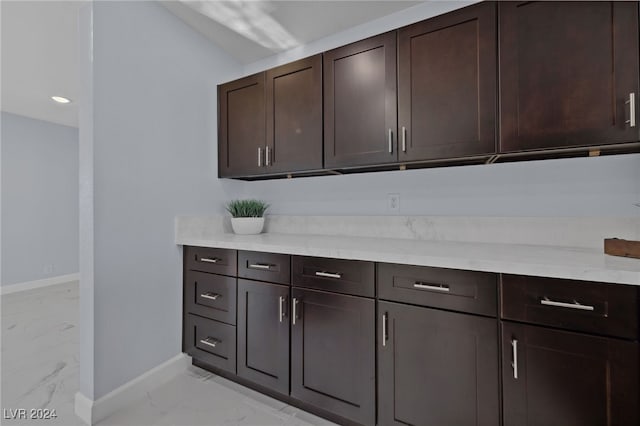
x=583, y=269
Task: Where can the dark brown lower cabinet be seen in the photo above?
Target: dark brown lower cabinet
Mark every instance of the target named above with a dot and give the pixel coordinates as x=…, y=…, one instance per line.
x=263, y=334
x=560, y=378
x=436, y=367
x=210, y=341
x=333, y=353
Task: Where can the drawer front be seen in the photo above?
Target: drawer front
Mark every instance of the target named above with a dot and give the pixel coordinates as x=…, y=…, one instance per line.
x=205, y=259
x=464, y=291
x=211, y=342
x=340, y=276
x=607, y=309
x=255, y=265
x=209, y=295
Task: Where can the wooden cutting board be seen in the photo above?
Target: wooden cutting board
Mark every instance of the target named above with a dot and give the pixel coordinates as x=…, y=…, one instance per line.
x=625, y=248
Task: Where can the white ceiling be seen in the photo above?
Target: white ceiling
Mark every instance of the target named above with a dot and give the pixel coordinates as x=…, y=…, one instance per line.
x=39, y=59
x=39, y=43
x=305, y=20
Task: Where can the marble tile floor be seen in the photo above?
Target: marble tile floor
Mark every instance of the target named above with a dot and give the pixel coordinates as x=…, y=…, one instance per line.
x=40, y=370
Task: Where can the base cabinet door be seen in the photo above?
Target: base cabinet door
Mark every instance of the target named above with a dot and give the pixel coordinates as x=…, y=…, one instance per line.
x=559, y=378
x=333, y=353
x=436, y=367
x=263, y=334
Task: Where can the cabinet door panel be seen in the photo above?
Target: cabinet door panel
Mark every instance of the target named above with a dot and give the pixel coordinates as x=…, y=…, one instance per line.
x=294, y=116
x=263, y=334
x=566, y=70
x=567, y=379
x=437, y=367
x=241, y=126
x=360, y=102
x=333, y=353
x=447, y=85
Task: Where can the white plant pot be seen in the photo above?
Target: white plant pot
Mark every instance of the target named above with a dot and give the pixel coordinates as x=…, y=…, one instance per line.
x=247, y=225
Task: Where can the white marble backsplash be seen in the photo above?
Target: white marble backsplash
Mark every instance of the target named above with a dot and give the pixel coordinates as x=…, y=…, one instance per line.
x=580, y=232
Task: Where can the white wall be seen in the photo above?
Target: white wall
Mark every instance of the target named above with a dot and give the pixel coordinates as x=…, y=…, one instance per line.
x=150, y=154
x=39, y=199
x=602, y=186
x=599, y=186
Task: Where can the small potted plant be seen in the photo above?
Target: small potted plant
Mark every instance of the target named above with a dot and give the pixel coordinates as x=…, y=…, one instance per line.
x=247, y=216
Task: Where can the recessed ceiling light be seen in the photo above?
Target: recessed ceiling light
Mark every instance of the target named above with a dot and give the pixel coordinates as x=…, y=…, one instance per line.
x=61, y=100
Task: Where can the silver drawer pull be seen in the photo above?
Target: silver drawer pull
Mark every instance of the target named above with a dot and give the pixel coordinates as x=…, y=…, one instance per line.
x=210, y=341
x=384, y=329
x=210, y=260
x=421, y=286
x=260, y=266
x=211, y=296
x=514, y=364
x=575, y=305
x=404, y=139
x=632, y=110
x=281, y=301
x=335, y=275
x=294, y=313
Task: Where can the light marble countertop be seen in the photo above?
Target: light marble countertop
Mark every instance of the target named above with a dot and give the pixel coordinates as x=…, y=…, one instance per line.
x=544, y=261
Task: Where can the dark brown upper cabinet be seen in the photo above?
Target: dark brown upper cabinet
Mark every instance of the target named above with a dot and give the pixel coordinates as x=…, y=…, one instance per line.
x=360, y=105
x=567, y=73
x=447, y=85
x=294, y=116
x=272, y=122
x=241, y=127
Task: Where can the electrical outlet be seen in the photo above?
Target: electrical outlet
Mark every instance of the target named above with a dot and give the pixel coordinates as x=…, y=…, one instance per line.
x=393, y=203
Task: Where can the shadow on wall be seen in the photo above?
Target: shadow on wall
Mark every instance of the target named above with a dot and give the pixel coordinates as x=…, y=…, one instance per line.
x=588, y=186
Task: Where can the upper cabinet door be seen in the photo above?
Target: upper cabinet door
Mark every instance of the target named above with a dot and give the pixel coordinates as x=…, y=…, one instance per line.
x=447, y=85
x=241, y=127
x=567, y=72
x=360, y=105
x=294, y=116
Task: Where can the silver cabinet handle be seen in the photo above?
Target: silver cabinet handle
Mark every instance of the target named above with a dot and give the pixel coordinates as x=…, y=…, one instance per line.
x=336, y=275
x=294, y=314
x=404, y=139
x=384, y=329
x=514, y=353
x=259, y=156
x=280, y=308
x=211, y=296
x=267, y=156
x=575, y=305
x=210, y=341
x=421, y=286
x=210, y=260
x=260, y=266
x=632, y=109
x=390, y=137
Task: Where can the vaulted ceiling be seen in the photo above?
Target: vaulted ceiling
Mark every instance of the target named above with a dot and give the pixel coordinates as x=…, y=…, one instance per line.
x=39, y=40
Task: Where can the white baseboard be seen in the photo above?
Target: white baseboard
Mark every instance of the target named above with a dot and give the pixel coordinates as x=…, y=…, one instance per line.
x=30, y=285
x=91, y=412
